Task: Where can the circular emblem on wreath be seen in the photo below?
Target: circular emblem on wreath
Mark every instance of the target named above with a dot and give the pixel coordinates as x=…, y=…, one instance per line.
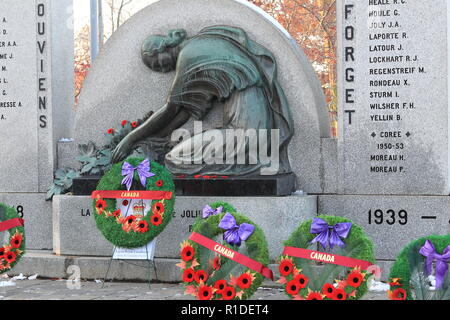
x=12, y=251
x=226, y=256
x=421, y=270
x=326, y=259
x=134, y=202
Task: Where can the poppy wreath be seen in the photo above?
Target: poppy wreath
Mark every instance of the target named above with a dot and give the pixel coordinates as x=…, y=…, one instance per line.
x=209, y=275
x=12, y=251
x=342, y=275
x=133, y=231
x=413, y=266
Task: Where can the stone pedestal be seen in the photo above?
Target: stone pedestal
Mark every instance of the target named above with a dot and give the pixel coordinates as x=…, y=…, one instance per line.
x=75, y=232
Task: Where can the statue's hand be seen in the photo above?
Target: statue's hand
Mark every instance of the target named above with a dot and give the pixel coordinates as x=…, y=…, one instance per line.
x=122, y=150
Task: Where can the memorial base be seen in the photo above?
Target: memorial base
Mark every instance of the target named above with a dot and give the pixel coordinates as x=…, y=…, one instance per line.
x=75, y=232
x=391, y=222
x=37, y=214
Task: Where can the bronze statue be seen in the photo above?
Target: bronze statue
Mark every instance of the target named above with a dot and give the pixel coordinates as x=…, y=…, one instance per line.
x=219, y=64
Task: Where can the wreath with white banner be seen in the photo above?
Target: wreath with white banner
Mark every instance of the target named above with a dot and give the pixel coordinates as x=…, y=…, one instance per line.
x=134, y=202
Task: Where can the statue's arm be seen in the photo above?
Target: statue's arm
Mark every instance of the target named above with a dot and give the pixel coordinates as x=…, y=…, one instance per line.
x=161, y=124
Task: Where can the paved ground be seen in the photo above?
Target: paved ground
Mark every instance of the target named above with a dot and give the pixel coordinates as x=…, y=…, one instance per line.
x=59, y=290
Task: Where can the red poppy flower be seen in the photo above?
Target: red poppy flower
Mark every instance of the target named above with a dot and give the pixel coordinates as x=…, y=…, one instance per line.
x=101, y=205
x=244, y=281
x=187, y=254
x=328, y=290
x=205, y=293
x=142, y=226
x=156, y=220
x=216, y=263
x=117, y=213
x=286, y=267
x=125, y=203
x=302, y=280
x=9, y=256
x=188, y=275
x=159, y=183
x=398, y=294
x=395, y=283
x=110, y=131
x=339, y=294
x=228, y=293
x=124, y=123
x=158, y=208
x=2, y=251
x=314, y=296
x=130, y=219
x=220, y=285
x=16, y=241
x=355, y=279
x=134, y=124
x=200, y=276
x=293, y=287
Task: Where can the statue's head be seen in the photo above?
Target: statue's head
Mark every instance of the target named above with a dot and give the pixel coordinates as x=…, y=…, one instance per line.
x=160, y=53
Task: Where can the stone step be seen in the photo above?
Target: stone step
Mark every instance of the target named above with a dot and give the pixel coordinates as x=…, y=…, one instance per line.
x=50, y=266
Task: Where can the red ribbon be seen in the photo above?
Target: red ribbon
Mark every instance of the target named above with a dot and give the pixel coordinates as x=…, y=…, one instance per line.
x=123, y=194
x=326, y=258
x=9, y=224
x=231, y=254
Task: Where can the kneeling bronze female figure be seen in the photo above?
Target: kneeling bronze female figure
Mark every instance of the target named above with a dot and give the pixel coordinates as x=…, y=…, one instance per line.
x=220, y=66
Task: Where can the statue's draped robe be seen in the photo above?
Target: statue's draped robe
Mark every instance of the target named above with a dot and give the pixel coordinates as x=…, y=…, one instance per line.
x=222, y=64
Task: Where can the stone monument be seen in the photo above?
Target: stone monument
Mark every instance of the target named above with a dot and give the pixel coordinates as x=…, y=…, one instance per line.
x=388, y=170
x=36, y=98
x=393, y=154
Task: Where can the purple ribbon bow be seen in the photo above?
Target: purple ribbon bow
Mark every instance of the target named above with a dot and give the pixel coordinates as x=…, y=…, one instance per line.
x=143, y=170
x=329, y=234
x=429, y=252
x=208, y=211
x=235, y=233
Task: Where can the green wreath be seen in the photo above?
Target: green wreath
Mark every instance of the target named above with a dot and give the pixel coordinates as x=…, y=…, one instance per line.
x=409, y=280
x=300, y=278
x=209, y=276
x=11, y=253
x=135, y=230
